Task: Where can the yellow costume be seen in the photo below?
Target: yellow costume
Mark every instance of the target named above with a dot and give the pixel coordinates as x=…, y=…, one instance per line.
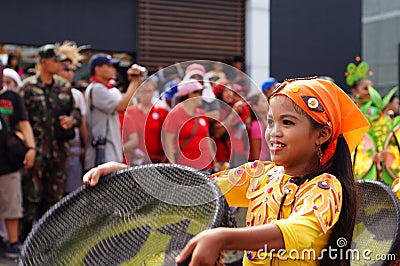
x=307, y=216
x=396, y=187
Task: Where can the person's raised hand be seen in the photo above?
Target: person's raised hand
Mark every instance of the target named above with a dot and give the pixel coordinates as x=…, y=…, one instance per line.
x=93, y=175
x=136, y=72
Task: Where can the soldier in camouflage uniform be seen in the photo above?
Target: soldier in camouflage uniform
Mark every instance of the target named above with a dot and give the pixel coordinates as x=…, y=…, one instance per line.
x=50, y=106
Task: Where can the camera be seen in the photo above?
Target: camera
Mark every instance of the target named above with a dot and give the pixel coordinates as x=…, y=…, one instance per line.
x=143, y=70
x=99, y=142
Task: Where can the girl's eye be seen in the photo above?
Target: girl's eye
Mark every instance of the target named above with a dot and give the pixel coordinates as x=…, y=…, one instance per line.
x=287, y=122
x=270, y=121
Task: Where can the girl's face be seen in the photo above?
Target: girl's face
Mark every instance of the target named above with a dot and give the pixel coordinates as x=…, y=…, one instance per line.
x=361, y=90
x=228, y=95
x=291, y=137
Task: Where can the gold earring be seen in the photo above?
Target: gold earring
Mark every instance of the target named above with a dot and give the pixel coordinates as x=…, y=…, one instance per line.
x=320, y=153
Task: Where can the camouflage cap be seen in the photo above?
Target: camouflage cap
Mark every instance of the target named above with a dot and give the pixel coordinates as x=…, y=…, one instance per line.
x=50, y=51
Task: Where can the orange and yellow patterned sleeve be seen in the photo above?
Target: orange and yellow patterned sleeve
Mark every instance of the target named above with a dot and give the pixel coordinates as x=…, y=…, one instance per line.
x=396, y=187
x=235, y=182
x=315, y=212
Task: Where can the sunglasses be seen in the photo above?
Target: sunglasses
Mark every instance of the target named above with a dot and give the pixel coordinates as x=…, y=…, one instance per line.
x=67, y=69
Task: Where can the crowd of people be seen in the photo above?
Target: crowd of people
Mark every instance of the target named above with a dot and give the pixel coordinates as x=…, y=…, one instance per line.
x=201, y=114
x=198, y=115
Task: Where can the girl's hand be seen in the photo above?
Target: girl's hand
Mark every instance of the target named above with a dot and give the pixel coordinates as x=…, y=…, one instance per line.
x=204, y=248
x=92, y=177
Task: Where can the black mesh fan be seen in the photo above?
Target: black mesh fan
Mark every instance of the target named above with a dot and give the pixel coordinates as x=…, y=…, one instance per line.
x=138, y=216
x=377, y=225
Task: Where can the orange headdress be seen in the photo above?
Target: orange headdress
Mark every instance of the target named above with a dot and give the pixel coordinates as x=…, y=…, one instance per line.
x=328, y=105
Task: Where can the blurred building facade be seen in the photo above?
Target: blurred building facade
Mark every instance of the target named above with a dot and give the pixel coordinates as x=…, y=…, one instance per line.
x=281, y=38
x=381, y=41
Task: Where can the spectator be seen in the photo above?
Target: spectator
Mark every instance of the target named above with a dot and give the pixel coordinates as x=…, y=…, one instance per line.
x=268, y=86
x=240, y=92
x=209, y=104
x=229, y=132
x=12, y=116
x=360, y=90
x=170, y=89
x=217, y=72
x=186, y=136
x=361, y=96
x=13, y=62
x=52, y=113
x=131, y=74
x=105, y=102
x=173, y=72
x=237, y=74
x=259, y=149
x=11, y=80
x=77, y=144
x=392, y=108
x=142, y=130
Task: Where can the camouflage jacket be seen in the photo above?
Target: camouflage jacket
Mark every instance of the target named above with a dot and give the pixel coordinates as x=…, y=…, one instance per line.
x=44, y=103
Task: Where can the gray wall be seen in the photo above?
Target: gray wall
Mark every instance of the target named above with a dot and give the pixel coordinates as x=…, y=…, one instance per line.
x=105, y=25
x=314, y=37
x=381, y=39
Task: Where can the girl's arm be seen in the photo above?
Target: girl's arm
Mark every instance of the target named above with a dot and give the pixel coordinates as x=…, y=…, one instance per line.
x=206, y=246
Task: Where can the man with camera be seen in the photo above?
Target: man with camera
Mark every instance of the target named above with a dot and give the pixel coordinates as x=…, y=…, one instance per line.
x=105, y=102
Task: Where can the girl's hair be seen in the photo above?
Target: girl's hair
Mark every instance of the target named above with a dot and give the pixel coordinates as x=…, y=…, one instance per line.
x=341, y=167
x=180, y=99
x=394, y=96
x=9, y=60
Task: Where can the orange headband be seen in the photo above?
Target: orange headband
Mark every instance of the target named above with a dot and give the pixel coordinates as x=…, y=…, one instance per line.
x=328, y=105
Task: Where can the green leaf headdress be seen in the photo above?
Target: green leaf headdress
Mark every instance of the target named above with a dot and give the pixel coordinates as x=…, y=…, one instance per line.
x=356, y=72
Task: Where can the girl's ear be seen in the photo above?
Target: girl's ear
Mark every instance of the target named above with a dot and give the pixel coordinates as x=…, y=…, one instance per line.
x=325, y=134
